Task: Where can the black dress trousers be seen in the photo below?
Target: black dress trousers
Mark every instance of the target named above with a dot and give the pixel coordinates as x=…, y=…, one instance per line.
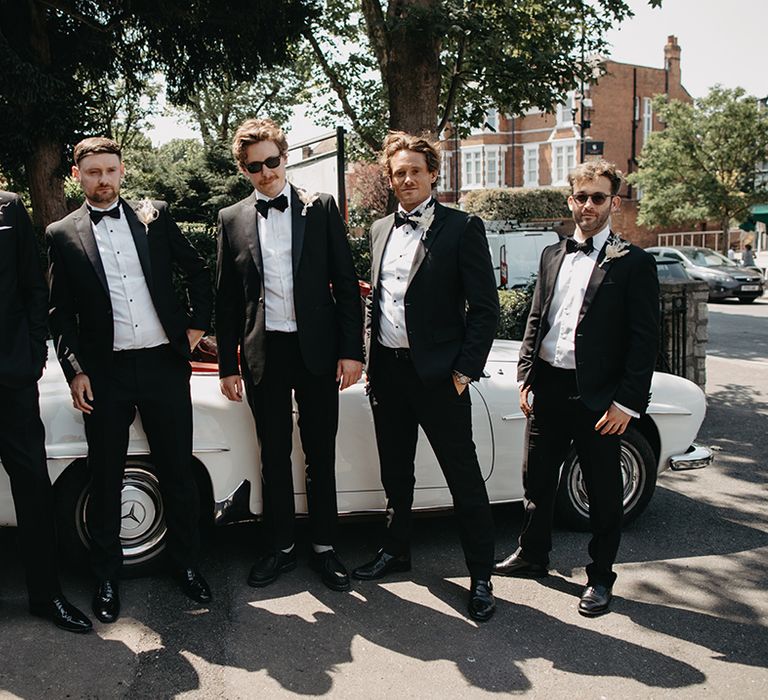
x=401, y=403
x=155, y=382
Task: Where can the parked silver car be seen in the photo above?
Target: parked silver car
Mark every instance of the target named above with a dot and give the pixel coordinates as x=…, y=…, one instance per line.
x=725, y=277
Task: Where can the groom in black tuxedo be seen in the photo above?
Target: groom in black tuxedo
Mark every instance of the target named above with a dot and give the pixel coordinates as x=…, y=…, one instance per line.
x=287, y=295
x=432, y=319
x=124, y=340
x=585, y=372
x=23, y=351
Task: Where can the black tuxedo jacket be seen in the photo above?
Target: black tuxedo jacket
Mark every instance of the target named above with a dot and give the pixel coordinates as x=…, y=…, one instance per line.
x=23, y=297
x=81, y=311
x=326, y=294
x=617, y=332
x=451, y=303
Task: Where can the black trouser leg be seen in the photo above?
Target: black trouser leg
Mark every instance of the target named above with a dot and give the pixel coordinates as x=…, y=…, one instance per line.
x=165, y=408
x=22, y=452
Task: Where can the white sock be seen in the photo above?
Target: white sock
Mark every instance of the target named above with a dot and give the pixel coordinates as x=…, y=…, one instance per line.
x=287, y=551
x=321, y=548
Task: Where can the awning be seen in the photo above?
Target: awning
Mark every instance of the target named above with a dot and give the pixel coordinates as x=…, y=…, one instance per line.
x=759, y=212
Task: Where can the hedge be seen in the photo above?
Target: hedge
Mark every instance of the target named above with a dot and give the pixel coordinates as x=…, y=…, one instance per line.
x=521, y=204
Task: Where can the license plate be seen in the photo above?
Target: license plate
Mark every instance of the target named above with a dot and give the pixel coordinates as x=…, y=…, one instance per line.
x=750, y=287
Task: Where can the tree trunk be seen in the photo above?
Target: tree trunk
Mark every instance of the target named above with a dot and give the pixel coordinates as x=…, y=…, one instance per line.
x=46, y=187
x=726, y=239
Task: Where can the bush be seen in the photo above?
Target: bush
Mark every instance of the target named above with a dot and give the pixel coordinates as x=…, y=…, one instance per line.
x=361, y=256
x=515, y=305
x=522, y=204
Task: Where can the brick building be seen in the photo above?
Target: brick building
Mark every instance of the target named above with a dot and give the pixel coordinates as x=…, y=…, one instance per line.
x=538, y=149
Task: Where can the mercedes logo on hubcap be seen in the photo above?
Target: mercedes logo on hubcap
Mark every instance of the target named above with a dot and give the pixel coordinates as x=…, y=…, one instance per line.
x=133, y=515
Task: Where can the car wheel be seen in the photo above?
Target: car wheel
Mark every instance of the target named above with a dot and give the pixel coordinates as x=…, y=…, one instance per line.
x=638, y=470
x=746, y=300
x=143, y=530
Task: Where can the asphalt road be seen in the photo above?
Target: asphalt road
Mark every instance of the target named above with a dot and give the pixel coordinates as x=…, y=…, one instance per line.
x=690, y=615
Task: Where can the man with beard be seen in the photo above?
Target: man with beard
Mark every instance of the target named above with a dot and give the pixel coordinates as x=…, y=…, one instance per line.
x=124, y=340
x=585, y=371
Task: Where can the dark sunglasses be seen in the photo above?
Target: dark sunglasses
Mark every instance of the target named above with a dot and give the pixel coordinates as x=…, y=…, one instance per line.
x=597, y=198
x=255, y=166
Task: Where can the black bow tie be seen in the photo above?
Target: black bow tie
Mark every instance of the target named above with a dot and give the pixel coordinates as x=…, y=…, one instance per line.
x=573, y=246
x=401, y=219
x=264, y=205
x=98, y=214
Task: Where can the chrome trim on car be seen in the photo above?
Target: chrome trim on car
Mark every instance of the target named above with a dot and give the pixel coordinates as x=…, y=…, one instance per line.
x=695, y=457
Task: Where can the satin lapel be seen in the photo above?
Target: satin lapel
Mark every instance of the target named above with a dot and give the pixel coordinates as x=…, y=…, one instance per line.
x=140, y=239
x=552, y=273
x=85, y=232
x=595, y=280
x=248, y=220
x=424, y=245
x=379, y=243
x=298, y=225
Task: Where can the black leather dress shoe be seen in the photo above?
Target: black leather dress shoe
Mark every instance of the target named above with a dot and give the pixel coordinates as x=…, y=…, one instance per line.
x=383, y=565
x=332, y=572
x=63, y=614
x=482, y=604
x=194, y=586
x=269, y=566
x=515, y=565
x=595, y=600
x=106, y=602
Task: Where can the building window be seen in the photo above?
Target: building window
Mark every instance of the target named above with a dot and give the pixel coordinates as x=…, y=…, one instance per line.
x=494, y=166
x=446, y=172
x=565, y=111
x=647, y=118
x=472, y=168
x=491, y=119
x=531, y=165
x=563, y=161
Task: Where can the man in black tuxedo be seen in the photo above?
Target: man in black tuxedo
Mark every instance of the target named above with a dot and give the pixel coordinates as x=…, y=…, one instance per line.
x=288, y=296
x=432, y=319
x=23, y=351
x=124, y=340
x=587, y=358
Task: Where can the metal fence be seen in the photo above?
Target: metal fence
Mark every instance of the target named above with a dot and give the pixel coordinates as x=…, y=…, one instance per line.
x=673, y=335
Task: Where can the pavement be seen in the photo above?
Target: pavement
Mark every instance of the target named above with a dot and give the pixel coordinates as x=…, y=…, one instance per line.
x=690, y=614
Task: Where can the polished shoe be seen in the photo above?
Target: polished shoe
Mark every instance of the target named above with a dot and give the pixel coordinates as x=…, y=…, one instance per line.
x=595, y=600
x=332, y=572
x=482, y=604
x=515, y=565
x=383, y=565
x=269, y=566
x=194, y=586
x=63, y=614
x=106, y=602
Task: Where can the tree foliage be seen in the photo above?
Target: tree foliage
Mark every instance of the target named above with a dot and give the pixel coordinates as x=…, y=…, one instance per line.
x=415, y=65
x=702, y=165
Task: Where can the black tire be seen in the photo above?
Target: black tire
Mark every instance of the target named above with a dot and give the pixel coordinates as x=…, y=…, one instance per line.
x=639, y=467
x=746, y=300
x=144, y=532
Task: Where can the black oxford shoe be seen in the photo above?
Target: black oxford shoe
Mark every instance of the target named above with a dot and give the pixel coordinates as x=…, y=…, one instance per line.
x=269, y=566
x=63, y=614
x=332, y=572
x=383, y=565
x=482, y=604
x=595, y=600
x=106, y=602
x=194, y=586
x=515, y=565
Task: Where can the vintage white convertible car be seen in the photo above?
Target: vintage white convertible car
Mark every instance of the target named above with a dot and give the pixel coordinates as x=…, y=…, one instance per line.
x=227, y=457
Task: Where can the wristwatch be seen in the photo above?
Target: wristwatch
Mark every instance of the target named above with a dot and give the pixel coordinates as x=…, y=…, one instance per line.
x=461, y=378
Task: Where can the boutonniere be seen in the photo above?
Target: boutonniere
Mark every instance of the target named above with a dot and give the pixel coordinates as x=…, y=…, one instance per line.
x=615, y=247
x=424, y=219
x=146, y=212
x=307, y=199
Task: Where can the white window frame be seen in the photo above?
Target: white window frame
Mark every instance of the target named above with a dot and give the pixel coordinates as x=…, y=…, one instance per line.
x=568, y=149
x=647, y=118
x=446, y=172
x=564, y=111
x=471, y=167
x=491, y=165
x=530, y=153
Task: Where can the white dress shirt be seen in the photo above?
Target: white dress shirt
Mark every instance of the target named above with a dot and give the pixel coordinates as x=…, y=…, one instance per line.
x=393, y=281
x=275, y=237
x=136, y=323
x=558, y=347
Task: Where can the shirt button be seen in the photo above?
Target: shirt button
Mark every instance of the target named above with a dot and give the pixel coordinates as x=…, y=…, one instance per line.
x=136, y=326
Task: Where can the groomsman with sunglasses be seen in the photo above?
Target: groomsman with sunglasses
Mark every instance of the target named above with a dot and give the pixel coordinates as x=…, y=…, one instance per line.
x=585, y=372
x=288, y=298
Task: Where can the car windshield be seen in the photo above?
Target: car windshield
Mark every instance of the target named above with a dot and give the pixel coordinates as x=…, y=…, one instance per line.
x=706, y=257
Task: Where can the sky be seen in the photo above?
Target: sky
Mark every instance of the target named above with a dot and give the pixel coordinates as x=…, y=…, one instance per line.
x=722, y=41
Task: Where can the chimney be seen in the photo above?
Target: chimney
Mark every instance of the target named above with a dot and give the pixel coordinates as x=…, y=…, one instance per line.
x=672, y=61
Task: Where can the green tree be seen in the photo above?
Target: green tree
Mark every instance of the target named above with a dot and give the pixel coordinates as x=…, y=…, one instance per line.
x=702, y=165
x=415, y=65
x=51, y=50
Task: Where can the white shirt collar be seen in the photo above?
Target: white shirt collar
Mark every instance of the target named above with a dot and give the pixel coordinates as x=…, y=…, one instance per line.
x=598, y=240
x=415, y=209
